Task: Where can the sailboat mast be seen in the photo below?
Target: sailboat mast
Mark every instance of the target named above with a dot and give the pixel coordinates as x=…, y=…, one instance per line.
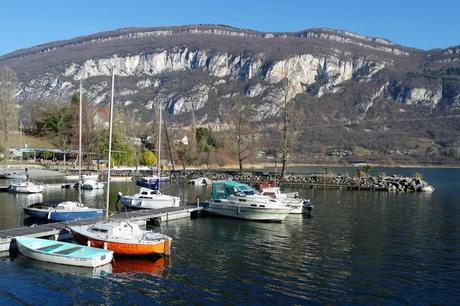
x=79, y=142
x=110, y=146
x=170, y=149
x=159, y=149
x=20, y=140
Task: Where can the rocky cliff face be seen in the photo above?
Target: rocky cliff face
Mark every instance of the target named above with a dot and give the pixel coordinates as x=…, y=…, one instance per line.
x=204, y=67
x=83, y=59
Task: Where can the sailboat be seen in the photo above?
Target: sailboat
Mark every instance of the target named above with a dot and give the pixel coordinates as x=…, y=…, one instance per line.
x=151, y=198
x=21, y=187
x=66, y=210
x=120, y=236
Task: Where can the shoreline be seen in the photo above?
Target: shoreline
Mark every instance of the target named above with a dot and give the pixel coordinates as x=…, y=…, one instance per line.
x=249, y=167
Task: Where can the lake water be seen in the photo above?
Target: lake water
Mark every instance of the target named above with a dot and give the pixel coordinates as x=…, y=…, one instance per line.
x=357, y=248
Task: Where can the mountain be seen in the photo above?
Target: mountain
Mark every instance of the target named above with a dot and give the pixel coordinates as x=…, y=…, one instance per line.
x=358, y=94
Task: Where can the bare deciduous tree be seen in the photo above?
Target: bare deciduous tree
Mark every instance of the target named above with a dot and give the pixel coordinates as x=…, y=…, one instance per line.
x=288, y=125
x=240, y=117
x=8, y=107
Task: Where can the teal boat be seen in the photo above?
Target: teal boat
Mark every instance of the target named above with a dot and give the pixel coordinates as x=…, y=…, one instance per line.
x=62, y=252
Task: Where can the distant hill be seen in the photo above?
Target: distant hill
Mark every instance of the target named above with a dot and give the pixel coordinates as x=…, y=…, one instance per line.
x=379, y=100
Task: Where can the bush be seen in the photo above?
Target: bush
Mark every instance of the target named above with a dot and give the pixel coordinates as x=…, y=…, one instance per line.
x=47, y=155
x=148, y=158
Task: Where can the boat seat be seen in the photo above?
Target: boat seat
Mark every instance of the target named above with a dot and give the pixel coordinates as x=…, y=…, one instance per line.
x=50, y=247
x=68, y=251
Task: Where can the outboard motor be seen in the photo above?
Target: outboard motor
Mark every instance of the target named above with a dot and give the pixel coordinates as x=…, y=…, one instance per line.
x=307, y=207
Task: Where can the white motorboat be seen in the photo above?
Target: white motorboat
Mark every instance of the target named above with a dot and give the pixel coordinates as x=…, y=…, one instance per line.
x=149, y=199
x=201, y=181
x=26, y=187
x=232, y=199
x=292, y=199
x=92, y=184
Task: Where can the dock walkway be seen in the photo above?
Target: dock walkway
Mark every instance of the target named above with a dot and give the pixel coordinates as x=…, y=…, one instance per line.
x=57, y=229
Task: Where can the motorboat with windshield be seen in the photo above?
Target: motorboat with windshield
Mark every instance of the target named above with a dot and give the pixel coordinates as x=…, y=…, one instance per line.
x=237, y=200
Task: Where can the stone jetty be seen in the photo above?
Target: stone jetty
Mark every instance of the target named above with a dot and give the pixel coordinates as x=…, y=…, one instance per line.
x=364, y=182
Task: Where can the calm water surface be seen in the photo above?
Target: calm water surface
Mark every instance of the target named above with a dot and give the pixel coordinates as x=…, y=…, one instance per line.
x=357, y=248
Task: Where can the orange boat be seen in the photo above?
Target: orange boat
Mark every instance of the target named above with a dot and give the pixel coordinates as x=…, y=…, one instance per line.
x=122, y=237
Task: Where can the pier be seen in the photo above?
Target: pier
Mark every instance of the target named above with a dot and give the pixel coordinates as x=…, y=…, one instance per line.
x=57, y=230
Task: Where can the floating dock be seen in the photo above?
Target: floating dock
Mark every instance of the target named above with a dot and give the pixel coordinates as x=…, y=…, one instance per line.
x=57, y=230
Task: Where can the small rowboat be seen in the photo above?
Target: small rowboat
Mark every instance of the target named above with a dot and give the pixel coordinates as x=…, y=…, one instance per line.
x=62, y=252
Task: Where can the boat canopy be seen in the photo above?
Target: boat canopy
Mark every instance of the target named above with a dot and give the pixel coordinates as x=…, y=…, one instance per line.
x=223, y=189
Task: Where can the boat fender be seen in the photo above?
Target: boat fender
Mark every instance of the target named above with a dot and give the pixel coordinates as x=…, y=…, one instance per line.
x=105, y=245
x=88, y=243
x=49, y=214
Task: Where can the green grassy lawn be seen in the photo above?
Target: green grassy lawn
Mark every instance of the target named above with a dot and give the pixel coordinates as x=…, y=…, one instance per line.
x=14, y=141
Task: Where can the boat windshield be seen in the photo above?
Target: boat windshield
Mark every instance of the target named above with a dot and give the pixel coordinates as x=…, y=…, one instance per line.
x=223, y=189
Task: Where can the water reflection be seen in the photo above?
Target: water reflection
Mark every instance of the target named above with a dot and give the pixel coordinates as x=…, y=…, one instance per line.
x=25, y=200
x=25, y=262
x=140, y=264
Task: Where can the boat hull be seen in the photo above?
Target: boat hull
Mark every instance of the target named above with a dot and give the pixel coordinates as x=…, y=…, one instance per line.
x=62, y=216
x=163, y=247
x=248, y=213
x=132, y=202
x=26, y=189
x=98, y=259
x=93, y=186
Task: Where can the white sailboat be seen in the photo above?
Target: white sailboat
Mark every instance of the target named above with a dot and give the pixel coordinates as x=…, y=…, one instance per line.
x=66, y=210
x=148, y=198
x=122, y=237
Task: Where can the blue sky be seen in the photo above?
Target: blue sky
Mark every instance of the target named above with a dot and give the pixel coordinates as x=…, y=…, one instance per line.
x=420, y=24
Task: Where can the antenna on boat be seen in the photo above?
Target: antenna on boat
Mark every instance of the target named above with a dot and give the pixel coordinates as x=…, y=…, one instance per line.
x=109, y=159
x=79, y=144
x=159, y=150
